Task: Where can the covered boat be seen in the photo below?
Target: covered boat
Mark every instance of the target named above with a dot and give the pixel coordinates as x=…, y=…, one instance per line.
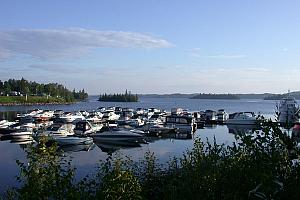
x=242, y=118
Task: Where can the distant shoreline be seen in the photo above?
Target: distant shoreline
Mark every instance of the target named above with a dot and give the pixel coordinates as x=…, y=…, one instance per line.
x=262, y=96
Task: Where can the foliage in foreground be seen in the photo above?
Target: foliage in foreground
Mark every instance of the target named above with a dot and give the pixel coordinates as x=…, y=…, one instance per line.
x=258, y=167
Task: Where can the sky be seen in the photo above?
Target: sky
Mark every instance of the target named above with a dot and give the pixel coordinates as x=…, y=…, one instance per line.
x=153, y=46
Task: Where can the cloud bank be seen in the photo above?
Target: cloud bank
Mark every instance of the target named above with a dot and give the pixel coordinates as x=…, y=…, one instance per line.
x=57, y=43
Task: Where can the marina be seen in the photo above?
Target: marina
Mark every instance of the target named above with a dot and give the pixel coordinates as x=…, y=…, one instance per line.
x=168, y=132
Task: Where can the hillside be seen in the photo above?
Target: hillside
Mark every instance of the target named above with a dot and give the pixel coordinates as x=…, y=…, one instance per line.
x=215, y=96
x=280, y=96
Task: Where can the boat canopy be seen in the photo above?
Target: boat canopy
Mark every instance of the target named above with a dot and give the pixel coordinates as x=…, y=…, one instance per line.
x=179, y=119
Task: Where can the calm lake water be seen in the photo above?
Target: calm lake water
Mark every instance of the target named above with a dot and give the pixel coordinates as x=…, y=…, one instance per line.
x=164, y=148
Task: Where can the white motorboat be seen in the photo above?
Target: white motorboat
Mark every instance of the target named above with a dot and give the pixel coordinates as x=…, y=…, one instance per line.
x=181, y=123
x=176, y=111
x=72, y=140
x=7, y=124
x=120, y=137
x=157, y=129
x=86, y=128
x=95, y=117
x=221, y=116
x=287, y=110
x=59, y=130
x=152, y=111
x=210, y=116
x=242, y=118
x=17, y=127
x=43, y=116
x=135, y=122
x=3, y=121
x=140, y=111
x=72, y=117
x=110, y=115
x=31, y=114
x=156, y=119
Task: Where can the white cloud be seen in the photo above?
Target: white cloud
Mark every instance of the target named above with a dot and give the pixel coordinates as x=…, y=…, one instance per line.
x=56, y=43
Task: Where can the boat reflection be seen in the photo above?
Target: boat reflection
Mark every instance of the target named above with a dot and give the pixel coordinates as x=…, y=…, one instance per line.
x=237, y=129
x=210, y=126
x=77, y=147
x=110, y=147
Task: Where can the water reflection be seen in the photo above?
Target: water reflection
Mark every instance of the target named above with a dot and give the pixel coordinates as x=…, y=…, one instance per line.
x=237, y=129
x=111, y=147
x=10, y=115
x=77, y=148
x=210, y=126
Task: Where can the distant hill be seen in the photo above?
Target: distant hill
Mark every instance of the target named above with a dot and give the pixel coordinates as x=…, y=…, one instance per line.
x=253, y=96
x=265, y=96
x=178, y=95
x=215, y=96
x=280, y=96
x=175, y=95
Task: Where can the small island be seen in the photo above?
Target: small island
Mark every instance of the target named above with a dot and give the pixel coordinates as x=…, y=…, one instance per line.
x=126, y=97
x=215, y=96
x=23, y=92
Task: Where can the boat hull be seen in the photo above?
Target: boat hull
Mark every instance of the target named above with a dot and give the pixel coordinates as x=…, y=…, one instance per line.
x=72, y=140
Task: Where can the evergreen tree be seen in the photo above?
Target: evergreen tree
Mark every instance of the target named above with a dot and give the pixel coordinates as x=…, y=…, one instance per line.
x=33, y=88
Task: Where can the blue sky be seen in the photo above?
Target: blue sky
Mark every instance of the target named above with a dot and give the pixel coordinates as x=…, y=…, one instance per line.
x=153, y=46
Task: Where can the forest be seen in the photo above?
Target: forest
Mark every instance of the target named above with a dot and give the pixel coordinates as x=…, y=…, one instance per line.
x=22, y=87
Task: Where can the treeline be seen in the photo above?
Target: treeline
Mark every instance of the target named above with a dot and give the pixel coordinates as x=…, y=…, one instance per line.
x=31, y=88
x=126, y=97
x=215, y=96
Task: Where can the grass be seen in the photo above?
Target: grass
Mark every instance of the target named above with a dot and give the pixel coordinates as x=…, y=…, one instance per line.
x=30, y=100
